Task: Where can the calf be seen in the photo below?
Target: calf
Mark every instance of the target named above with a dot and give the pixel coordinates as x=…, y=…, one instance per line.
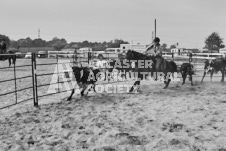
x=215, y=65
x=83, y=78
x=187, y=69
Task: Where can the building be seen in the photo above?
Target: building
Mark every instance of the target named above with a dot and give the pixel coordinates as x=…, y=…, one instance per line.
x=222, y=50
x=136, y=47
x=178, y=51
x=85, y=50
x=113, y=50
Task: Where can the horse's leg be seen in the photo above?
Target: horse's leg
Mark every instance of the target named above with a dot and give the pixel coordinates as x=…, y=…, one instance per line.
x=182, y=74
x=166, y=78
x=204, y=74
x=190, y=73
x=211, y=75
x=222, y=72
x=9, y=61
x=72, y=92
x=167, y=84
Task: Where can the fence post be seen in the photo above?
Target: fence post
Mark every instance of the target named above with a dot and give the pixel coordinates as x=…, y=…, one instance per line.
x=190, y=57
x=89, y=57
x=34, y=79
x=15, y=80
x=58, y=80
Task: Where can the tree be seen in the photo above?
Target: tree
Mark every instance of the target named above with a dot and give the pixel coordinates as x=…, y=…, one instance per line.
x=6, y=38
x=214, y=42
x=59, y=44
x=164, y=46
x=39, y=43
x=14, y=44
x=172, y=46
x=116, y=43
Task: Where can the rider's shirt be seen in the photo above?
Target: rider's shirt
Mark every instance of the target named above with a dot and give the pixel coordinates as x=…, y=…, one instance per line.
x=154, y=50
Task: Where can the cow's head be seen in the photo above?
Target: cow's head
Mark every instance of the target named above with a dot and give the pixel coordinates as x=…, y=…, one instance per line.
x=209, y=65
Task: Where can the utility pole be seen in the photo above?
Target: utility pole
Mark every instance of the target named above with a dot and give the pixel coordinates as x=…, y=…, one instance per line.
x=155, y=27
x=38, y=33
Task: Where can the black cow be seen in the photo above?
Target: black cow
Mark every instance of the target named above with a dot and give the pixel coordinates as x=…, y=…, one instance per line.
x=187, y=69
x=84, y=77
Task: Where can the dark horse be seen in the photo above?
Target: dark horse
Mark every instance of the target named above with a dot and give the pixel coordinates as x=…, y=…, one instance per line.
x=4, y=55
x=170, y=68
x=215, y=65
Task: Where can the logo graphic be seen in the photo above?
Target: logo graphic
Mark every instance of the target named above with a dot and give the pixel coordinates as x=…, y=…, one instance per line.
x=63, y=77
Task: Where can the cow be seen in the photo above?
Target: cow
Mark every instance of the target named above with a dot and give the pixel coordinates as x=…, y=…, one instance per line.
x=187, y=69
x=85, y=77
x=215, y=65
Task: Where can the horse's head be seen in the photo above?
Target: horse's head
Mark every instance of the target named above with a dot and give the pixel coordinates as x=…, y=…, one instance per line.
x=130, y=55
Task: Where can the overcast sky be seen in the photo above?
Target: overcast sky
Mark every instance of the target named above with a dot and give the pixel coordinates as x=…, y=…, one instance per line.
x=187, y=22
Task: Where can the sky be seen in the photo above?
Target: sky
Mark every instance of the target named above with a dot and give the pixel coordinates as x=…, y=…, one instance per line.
x=187, y=22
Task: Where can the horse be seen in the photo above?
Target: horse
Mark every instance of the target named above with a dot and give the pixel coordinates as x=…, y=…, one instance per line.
x=133, y=55
x=215, y=65
x=187, y=69
x=7, y=55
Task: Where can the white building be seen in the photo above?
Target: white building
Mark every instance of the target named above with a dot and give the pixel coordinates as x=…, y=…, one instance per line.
x=222, y=50
x=113, y=50
x=136, y=47
x=203, y=50
x=177, y=51
x=85, y=50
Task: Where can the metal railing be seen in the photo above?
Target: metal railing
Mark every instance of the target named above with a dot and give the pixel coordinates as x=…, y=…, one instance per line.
x=15, y=79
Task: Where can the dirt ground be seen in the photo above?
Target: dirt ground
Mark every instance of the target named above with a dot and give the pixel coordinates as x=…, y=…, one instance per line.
x=183, y=118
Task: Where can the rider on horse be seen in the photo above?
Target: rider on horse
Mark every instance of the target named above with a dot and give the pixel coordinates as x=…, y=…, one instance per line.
x=155, y=50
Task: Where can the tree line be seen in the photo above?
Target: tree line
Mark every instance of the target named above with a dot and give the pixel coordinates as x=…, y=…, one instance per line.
x=212, y=42
x=60, y=43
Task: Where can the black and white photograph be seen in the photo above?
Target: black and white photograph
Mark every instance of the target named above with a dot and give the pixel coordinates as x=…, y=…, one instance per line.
x=112, y=75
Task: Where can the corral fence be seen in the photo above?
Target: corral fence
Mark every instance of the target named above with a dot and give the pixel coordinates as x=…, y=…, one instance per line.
x=16, y=88
x=10, y=79
x=40, y=74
